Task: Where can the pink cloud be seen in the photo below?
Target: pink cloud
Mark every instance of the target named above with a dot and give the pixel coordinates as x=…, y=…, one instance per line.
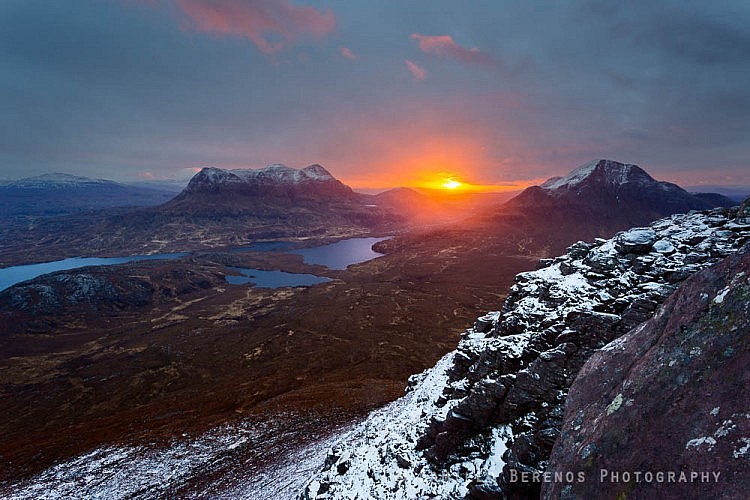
x=346, y=52
x=146, y=175
x=445, y=46
x=417, y=72
x=269, y=24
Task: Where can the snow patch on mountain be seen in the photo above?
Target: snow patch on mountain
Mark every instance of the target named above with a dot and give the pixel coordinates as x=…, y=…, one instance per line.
x=226, y=455
x=278, y=173
x=615, y=172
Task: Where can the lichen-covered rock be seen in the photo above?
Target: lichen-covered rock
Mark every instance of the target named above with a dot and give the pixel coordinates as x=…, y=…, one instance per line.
x=669, y=397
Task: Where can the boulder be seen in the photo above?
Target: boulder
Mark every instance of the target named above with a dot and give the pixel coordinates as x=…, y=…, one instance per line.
x=638, y=241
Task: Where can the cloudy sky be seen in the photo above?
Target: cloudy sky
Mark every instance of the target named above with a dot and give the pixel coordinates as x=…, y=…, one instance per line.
x=380, y=92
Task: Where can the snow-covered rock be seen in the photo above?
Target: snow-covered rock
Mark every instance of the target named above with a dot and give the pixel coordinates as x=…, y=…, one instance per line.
x=497, y=401
x=638, y=240
x=378, y=458
x=276, y=173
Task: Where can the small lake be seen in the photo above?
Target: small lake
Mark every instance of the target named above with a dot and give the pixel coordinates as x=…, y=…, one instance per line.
x=337, y=255
x=9, y=276
x=273, y=279
x=341, y=254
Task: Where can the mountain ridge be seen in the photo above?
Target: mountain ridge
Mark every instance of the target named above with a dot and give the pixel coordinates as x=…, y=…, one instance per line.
x=492, y=409
x=58, y=194
x=274, y=184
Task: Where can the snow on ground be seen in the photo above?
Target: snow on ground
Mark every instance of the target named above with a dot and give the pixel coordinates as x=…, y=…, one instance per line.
x=228, y=454
x=378, y=459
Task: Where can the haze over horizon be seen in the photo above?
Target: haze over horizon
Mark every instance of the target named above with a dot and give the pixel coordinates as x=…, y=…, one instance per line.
x=382, y=94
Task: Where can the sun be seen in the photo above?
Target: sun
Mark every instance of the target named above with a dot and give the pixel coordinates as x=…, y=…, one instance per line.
x=451, y=184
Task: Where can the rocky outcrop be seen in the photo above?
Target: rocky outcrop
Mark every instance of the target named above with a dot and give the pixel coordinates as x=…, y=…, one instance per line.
x=500, y=410
x=662, y=412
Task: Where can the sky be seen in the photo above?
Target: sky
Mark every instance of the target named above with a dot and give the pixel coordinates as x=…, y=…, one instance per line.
x=382, y=93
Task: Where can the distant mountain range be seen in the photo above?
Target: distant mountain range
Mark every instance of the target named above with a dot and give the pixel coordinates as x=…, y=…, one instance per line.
x=218, y=208
x=737, y=193
x=62, y=194
x=234, y=207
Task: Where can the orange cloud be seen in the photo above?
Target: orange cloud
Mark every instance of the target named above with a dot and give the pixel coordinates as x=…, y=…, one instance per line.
x=417, y=72
x=445, y=46
x=269, y=24
x=346, y=52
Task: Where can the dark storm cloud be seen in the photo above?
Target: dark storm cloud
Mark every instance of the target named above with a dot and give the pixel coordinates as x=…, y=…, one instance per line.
x=371, y=89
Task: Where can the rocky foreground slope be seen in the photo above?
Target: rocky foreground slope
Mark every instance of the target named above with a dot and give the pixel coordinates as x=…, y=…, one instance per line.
x=491, y=411
x=662, y=412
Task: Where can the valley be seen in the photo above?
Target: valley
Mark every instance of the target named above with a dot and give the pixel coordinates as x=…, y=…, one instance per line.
x=196, y=350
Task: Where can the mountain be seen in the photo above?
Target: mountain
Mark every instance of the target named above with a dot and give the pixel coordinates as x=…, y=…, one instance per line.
x=57, y=181
x=610, y=196
x=60, y=194
x=490, y=412
x=716, y=199
x=736, y=193
x=277, y=182
x=277, y=202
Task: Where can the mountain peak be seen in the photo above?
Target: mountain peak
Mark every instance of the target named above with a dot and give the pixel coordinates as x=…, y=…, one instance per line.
x=606, y=171
x=212, y=176
x=273, y=174
x=317, y=172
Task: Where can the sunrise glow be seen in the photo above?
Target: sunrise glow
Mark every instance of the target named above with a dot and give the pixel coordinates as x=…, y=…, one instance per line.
x=451, y=184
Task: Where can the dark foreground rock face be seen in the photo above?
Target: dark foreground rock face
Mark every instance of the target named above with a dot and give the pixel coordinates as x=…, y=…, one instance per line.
x=670, y=397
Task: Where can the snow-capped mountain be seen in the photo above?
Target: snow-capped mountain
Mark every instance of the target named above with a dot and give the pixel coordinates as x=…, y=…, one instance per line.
x=612, y=193
x=273, y=181
x=284, y=200
x=604, y=172
x=493, y=408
